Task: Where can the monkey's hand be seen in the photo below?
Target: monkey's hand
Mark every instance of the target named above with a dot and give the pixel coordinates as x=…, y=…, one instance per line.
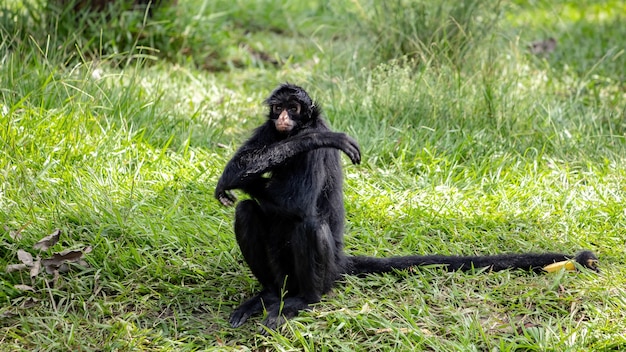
x=227, y=198
x=350, y=146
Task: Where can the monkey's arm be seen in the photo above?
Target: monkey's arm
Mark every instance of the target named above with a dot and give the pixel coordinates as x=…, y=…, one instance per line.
x=259, y=161
x=245, y=169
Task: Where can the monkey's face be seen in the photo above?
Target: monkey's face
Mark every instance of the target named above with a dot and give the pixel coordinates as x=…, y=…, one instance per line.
x=285, y=116
x=291, y=108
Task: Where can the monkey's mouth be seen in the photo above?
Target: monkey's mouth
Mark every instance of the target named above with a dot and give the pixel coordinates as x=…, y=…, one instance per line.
x=284, y=126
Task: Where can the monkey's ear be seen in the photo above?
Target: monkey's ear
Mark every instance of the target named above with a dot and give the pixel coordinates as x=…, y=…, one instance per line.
x=315, y=111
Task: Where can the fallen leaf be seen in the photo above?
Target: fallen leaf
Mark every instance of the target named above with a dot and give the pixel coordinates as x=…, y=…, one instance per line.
x=16, y=267
x=34, y=270
x=64, y=268
x=25, y=257
x=24, y=288
x=56, y=262
x=68, y=255
x=48, y=241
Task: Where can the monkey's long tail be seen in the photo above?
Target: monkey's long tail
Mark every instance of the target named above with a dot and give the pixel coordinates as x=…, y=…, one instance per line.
x=537, y=262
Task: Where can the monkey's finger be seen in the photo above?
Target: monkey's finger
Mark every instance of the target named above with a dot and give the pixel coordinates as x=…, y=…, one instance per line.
x=353, y=142
x=356, y=158
x=355, y=155
x=351, y=148
x=352, y=153
x=356, y=150
x=227, y=199
x=271, y=322
x=238, y=318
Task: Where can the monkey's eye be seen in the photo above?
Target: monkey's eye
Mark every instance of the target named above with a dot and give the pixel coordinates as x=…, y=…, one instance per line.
x=294, y=109
x=277, y=109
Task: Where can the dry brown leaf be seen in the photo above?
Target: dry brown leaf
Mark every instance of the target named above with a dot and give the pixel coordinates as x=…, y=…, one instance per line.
x=24, y=288
x=34, y=270
x=48, y=241
x=25, y=257
x=67, y=255
x=57, y=261
x=64, y=268
x=50, y=269
x=16, y=267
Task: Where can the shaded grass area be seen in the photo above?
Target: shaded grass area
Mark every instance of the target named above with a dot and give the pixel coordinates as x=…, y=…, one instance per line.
x=480, y=151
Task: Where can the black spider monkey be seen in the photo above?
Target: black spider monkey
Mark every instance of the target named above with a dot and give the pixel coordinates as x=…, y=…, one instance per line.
x=291, y=231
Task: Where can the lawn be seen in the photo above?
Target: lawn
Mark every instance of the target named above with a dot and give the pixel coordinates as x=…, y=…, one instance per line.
x=115, y=127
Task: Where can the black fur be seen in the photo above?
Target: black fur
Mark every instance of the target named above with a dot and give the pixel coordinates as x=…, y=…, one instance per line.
x=525, y=261
x=291, y=231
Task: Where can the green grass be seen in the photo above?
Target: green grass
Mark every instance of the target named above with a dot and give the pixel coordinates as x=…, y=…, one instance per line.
x=115, y=130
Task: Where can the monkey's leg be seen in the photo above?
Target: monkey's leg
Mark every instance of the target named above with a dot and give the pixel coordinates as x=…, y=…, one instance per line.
x=315, y=259
x=251, y=234
x=315, y=271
